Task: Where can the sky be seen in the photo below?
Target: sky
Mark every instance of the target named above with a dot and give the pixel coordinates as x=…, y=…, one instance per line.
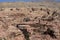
x=20, y=0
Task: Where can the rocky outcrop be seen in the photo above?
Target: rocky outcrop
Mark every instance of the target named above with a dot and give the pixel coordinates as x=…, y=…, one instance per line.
x=30, y=23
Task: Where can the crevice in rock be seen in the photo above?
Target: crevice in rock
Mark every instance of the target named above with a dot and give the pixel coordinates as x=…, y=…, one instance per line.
x=11, y=9
x=48, y=19
x=24, y=31
x=50, y=33
x=26, y=19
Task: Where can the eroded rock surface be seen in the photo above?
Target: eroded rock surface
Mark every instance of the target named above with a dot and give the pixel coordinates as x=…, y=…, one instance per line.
x=28, y=23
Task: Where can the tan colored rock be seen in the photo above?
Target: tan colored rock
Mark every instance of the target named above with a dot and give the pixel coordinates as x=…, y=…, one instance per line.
x=42, y=21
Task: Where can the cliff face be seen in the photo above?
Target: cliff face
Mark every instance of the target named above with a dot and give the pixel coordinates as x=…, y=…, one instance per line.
x=29, y=21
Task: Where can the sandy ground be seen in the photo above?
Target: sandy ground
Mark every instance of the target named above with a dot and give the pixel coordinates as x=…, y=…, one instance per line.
x=30, y=21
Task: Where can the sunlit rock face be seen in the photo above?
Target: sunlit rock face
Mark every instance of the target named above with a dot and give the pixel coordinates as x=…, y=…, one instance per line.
x=34, y=21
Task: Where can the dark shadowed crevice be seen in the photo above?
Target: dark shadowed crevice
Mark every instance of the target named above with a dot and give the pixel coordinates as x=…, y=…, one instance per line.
x=26, y=19
x=26, y=34
x=11, y=9
x=50, y=33
x=24, y=31
x=50, y=18
x=48, y=12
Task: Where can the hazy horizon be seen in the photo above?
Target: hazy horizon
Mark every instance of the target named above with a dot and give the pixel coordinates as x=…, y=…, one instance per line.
x=27, y=0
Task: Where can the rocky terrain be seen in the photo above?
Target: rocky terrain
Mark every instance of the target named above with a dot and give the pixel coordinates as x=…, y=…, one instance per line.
x=30, y=21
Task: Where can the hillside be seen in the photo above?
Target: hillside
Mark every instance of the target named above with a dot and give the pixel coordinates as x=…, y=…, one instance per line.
x=30, y=21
